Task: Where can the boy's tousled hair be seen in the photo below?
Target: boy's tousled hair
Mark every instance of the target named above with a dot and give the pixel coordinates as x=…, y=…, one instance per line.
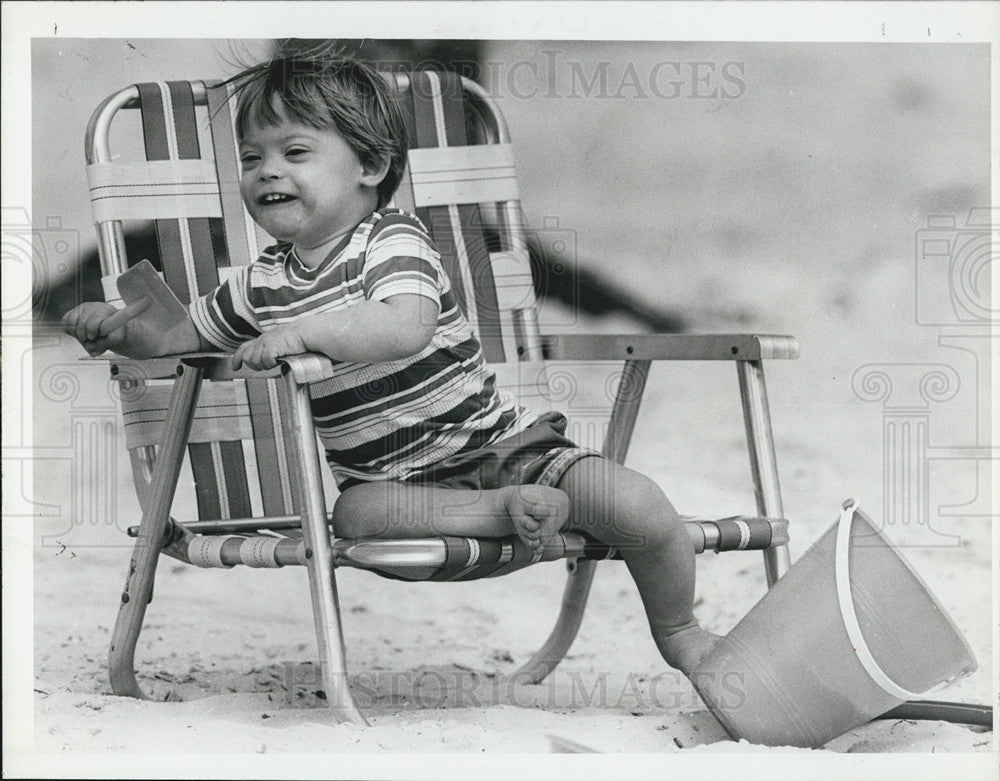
x=323, y=89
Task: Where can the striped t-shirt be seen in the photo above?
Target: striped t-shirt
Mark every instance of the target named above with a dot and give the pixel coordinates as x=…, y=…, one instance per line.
x=377, y=421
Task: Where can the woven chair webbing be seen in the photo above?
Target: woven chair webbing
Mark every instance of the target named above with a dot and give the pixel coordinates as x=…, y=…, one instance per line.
x=194, y=254
x=494, y=288
x=156, y=189
x=170, y=132
x=244, y=241
x=439, y=120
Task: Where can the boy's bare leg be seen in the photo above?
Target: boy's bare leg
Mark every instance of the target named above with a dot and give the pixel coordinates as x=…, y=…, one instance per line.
x=391, y=510
x=625, y=509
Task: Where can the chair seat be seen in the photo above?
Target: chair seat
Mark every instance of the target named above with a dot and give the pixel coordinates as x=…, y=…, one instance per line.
x=441, y=558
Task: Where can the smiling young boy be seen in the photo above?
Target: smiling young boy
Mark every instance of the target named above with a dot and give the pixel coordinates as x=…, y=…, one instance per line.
x=411, y=417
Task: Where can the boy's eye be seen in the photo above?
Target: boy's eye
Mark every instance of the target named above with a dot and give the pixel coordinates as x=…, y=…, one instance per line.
x=296, y=152
x=249, y=158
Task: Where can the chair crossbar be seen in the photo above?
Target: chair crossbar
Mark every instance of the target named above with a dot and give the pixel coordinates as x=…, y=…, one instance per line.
x=230, y=547
x=235, y=525
x=669, y=347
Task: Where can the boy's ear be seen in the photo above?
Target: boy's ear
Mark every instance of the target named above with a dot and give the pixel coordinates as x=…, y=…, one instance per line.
x=374, y=171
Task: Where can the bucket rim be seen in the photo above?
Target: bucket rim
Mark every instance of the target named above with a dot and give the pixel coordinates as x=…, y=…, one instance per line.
x=973, y=662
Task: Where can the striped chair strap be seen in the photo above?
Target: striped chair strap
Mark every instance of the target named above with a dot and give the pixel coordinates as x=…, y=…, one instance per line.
x=188, y=247
x=446, y=182
x=244, y=242
x=222, y=413
x=483, y=173
x=109, y=284
x=158, y=189
x=244, y=238
x=204, y=236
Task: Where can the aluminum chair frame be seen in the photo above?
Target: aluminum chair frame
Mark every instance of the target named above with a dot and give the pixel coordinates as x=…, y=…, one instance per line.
x=158, y=469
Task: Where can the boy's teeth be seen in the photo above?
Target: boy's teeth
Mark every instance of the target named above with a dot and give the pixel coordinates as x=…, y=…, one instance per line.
x=275, y=198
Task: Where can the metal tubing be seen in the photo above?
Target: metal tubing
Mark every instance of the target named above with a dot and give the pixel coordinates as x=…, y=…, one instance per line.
x=497, y=133
x=581, y=573
x=155, y=517
x=626, y=410
x=97, y=148
x=422, y=553
x=316, y=531
x=763, y=464
x=669, y=347
x=574, y=602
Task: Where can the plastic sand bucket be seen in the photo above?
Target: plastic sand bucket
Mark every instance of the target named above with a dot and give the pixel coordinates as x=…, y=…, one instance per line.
x=848, y=633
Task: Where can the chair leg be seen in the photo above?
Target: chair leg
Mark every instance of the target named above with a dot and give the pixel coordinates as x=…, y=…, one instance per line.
x=155, y=516
x=567, y=625
x=319, y=555
x=763, y=465
x=616, y=442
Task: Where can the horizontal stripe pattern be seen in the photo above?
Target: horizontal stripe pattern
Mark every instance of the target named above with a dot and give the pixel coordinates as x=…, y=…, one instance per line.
x=157, y=189
x=221, y=414
x=376, y=420
x=448, y=175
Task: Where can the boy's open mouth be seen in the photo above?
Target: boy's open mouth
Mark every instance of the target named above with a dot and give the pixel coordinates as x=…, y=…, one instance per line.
x=270, y=199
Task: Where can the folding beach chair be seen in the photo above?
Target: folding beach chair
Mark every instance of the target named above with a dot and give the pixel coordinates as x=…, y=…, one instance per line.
x=249, y=435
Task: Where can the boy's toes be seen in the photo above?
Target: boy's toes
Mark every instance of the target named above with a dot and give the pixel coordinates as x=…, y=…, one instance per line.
x=536, y=512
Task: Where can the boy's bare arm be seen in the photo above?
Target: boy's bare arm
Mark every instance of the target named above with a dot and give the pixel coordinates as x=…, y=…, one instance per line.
x=369, y=332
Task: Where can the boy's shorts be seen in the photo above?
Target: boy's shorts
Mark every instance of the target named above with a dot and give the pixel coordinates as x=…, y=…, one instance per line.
x=539, y=455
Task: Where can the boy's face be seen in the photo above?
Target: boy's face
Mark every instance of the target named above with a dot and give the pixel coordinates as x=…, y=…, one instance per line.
x=303, y=184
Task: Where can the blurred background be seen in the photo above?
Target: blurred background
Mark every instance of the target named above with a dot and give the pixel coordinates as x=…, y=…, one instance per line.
x=837, y=192
x=701, y=179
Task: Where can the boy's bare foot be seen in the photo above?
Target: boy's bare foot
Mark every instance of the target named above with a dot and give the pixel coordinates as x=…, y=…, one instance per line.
x=537, y=511
x=685, y=649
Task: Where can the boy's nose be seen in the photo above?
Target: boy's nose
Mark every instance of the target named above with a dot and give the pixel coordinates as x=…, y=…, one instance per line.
x=269, y=169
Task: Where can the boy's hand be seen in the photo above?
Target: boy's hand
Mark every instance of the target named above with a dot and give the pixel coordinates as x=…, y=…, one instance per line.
x=99, y=326
x=264, y=351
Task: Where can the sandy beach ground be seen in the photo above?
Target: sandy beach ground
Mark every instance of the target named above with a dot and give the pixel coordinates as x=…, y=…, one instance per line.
x=795, y=207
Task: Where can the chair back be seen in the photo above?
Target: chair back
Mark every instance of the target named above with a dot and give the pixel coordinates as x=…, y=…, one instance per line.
x=460, y=181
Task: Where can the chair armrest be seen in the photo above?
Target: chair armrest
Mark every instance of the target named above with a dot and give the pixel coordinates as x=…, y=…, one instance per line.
x=668, y=347
x=305, y=367
x=217, y=366
x=138, y=368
